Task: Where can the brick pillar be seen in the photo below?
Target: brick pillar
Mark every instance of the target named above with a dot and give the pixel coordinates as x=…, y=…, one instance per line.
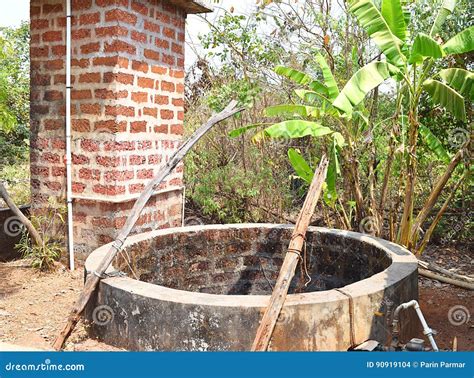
x=127, y=109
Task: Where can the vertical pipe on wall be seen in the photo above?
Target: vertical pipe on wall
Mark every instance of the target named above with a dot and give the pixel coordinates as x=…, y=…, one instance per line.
x=70, y=239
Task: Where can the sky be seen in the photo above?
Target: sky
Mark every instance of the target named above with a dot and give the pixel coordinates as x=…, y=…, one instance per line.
x=18, y=10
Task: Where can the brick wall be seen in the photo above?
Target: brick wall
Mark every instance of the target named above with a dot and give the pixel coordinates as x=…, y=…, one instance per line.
x=127, y=110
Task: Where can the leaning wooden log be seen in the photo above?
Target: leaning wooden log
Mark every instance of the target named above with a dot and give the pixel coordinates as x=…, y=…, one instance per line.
x=94, y=278
x=441, y=278
x=34, y=234
x=437, y=269
x=287, y=271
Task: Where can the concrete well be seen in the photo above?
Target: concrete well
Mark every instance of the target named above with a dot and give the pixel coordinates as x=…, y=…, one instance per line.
x=206, y=287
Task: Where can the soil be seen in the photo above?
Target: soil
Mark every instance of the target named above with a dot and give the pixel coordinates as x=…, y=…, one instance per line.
x=35, y=305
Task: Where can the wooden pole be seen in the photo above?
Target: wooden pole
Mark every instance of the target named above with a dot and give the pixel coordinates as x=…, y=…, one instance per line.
x=287, y=271
x=94, y=278
x=34, y=234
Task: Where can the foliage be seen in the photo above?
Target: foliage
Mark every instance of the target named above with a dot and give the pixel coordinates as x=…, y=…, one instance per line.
x=48, y=224
x=14, y=94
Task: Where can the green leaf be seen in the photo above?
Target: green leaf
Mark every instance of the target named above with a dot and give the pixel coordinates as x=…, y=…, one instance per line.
x=377, y=28
x=309, y=96
x=292, y=74
x=460, y=79
x=297, y=129
x=361, y=83
x=434, y=144
x=425, y=46
x=329, y=81
x=319, y=87
x=392, y=12
x=238, y=132
x=461, y=43
x=285, y=109
x=447, y=97
x=444, y=11
x=301, y=167
x=330, y=192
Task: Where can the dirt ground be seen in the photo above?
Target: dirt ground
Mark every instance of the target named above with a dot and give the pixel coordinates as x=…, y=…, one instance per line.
x=34, y=305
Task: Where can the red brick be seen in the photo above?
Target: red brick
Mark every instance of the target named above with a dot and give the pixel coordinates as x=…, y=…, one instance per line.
x=161, y=129
x=118, y=175
x=140, y=8
x=58, y=144
x=81, y=125
x=108, y=161
x=120, y=46
x=161, y=100
x=119, y=146
x=39, y=52
x=154, y=159
x=91, y=109
x=105, y=61
x=168, y=59
x=89, y=18
x=153, y=112
x=139, y=66
x=53, y=124
x=145, y=82
x=34, y=11
x=52, y=8
x=81, y=4
x=169, y=33
x=180, y=88
x=54, y=64
x=177, y=102
x=138, y=127
x=137, y=160
x=40, y=80
x=167, y=86
x=90, y=145
x=90, y=48
x=153, y=55
x=179, y=74
x=89, y=174
x=177, y=48
x=39, y=24
x=59, y=50
x=109, y=31
x=114, y=110
x=166, y=114
x=81, y=34
x=159, y=70
x=162, y=44
x=177, y=129
x=109, y=94
x=120, y=16
x=111, y=126
x=123, y=78
x=139, y=37
x=145, y=174
x=145, y=145
x=181, y=115
x=151, y=26
x=80, y=159
x=110, y=190
x=82, y=63
x=78, y=187
x=139, y=97
x=58, y=171
x=123, y=62
x=92, y=77
x=136, y=188
x=83, y=94
x=53, y=95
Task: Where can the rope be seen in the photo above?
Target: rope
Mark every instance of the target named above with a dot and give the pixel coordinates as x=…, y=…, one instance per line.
x=351, y=315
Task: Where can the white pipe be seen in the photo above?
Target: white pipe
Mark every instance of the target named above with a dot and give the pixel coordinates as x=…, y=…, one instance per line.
x=426, y=330
x=70, y=236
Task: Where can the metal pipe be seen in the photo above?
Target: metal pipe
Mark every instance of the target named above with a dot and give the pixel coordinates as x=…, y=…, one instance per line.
x=70, y=236
x=427, y=331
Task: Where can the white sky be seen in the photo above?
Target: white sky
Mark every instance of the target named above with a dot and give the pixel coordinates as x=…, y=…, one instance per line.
x=15, y=11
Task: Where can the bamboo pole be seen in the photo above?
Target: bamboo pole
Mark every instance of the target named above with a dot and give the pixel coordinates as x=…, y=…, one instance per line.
x=94, y=278
x=34, y=234
x=287, y=271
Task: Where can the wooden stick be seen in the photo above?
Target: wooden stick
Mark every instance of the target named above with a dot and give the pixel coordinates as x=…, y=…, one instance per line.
x=287, y=271
x=34, y=234
x=94, y=278
x=437, y=269
x=439, y=277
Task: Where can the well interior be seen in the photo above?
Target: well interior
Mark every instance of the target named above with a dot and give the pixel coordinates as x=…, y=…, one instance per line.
x=247, y=261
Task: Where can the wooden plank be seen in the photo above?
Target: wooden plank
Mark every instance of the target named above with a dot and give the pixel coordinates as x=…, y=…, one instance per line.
x=94, y=278
x=287, y=271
